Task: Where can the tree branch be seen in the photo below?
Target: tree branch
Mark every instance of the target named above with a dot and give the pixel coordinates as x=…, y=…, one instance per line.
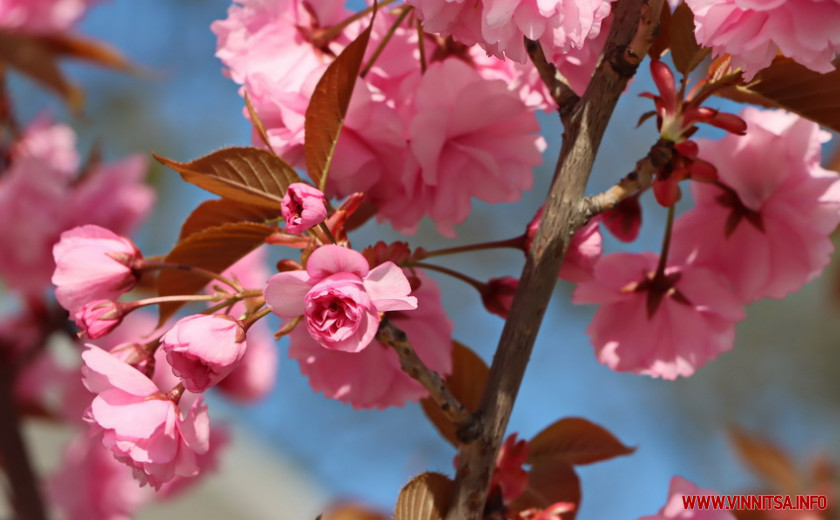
x=560, y=91
x=640, y=178
x=631, y=35
x=461, y=417
x=26, y=496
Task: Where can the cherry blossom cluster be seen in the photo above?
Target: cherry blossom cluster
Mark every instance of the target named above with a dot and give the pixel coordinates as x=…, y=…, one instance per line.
x=760, y=228
x=412, y=146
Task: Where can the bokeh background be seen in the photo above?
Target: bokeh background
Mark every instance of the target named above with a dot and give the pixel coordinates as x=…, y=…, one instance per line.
x=780, y=381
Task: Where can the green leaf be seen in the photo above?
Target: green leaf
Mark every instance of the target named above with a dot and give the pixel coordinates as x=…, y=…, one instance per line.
x=328, y=108
x=243, y=174
x=213, y=213
x=789, y=85
x=466, y=382
x=214, y=249
x=575, y=441
x=425, y=497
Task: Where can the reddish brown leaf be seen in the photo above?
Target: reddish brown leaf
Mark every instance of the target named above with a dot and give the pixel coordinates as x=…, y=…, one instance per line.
x=466, y=382
x=685, y=51
x=245, y=174
x=766, y=460
x=30, y=56
x=425, y=497
x=787, y=84
x=88, y=50
x=549, y=482
x=328, y=108
x=222, y=211
x=214, y=249
x=663, y=36
x=575, y=441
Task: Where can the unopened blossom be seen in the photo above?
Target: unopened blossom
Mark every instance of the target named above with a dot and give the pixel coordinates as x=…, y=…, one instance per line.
x=497, y=295
x=303, y=206
x=754, y=32
x=340, y=296
x=469, y=137
x=159, y=435
x=93, y=263
x=766, y=225
x=624, y=219
x=373, y=377
x=674, y=508
x=42, y=16
x=99, y=317
x=202, y=349
x=665, y=326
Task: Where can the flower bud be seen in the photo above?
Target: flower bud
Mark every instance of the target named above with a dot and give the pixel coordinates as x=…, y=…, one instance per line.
x=497, y=295
x=204, y=349
x=302, y=207
x=99, y=317
x=93, y=263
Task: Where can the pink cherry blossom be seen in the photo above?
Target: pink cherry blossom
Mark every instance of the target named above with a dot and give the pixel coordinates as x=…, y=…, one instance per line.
x=99, y=317
x=500, y=26
x=93, y=263
x=373, y=378
x=469, y=137
x=674, y=508
x=807, y=31
x=765, y=226
x=340, y=296
x=202, y=349
x=42, y=16
x=91, y=484
x=303, y=207
x=113, y=196
x=40, y=197
x=665, y=327
x=141, y=424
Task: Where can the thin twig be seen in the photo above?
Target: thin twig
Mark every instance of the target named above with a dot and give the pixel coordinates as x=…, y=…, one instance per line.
x=412, y=365
x=629, y=39
x=640, y=178
x=560, y=91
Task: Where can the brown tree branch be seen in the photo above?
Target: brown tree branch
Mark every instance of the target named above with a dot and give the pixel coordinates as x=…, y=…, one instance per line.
x=462, y=418
x=560, y=91
x=25, y=494
x=640, y=178
x=632, y=33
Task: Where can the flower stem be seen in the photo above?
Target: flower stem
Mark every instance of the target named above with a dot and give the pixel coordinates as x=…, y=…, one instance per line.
x=250, y=320
x=329, y=34
x=385, y=40
x=451, y=272
x=421, y=46
x=666, y=243
x=513, y=243
x=151, y=266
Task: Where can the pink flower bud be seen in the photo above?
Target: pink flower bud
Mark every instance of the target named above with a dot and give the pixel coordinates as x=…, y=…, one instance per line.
x=303, y=207
x=625, y=219
x=93, y=263
x=203, y=349
x=99, y=317
x=497, y=295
